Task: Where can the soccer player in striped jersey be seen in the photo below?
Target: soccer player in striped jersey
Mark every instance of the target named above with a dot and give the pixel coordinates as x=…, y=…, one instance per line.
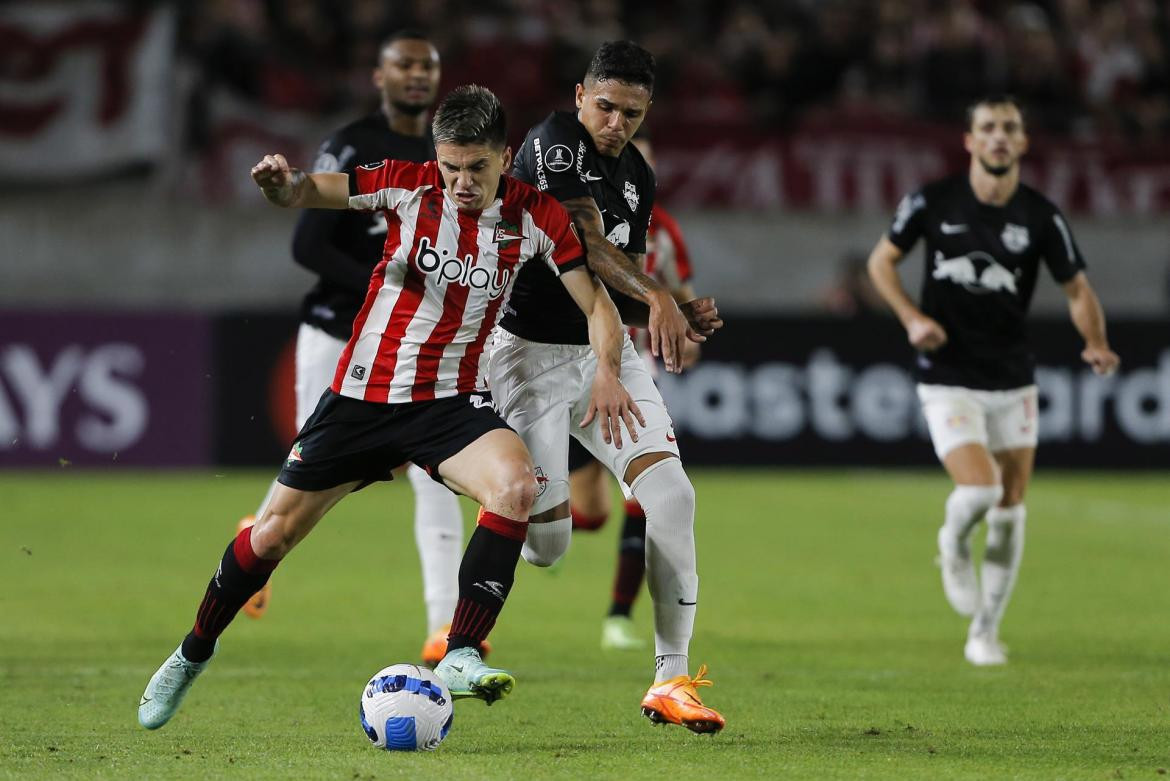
x=986, y=235
x=540, y=365
x=342, y=248
x=668, y=261
x=410, y=383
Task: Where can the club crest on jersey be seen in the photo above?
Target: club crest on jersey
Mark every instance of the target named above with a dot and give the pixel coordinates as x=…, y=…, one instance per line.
x=977, y=272
x=462, y=271
x=541, y=481
x=631, y=194
x=295, y=454
x=558, y=158
x=506, y=233
x=1015, y=237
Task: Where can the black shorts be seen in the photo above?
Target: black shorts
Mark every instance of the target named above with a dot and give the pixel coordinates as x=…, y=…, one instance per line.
x=349, y=439
x=579, y=456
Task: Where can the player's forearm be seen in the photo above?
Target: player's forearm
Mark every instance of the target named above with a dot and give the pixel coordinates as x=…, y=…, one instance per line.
x=1088, y=317
x=889, y=286
x=310, y=191
x=609, y=263
x=605, y=333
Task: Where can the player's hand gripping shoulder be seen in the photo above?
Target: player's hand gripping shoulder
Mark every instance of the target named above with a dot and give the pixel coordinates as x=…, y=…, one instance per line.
x=286, y=186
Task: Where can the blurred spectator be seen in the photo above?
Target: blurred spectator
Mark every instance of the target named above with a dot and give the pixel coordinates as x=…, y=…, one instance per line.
x=1091, y=67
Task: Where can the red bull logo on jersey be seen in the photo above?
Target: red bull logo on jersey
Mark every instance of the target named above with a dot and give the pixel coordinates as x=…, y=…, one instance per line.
x=978, y=272
x=461, y=271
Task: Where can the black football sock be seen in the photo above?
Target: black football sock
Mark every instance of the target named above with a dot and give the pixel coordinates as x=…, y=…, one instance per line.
x=486, y=575
x=241, y=574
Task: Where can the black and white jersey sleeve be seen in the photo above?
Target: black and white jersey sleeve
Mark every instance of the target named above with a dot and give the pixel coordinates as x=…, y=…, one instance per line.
x=1062, y=256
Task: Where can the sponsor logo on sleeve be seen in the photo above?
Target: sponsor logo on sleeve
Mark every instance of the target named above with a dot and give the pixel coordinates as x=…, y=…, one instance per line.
x=631, y=194
x=541, y=177
x=906, y=209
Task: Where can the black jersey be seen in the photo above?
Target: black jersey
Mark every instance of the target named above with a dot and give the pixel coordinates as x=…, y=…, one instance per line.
x=342, y=247
x=559, y=157
x=981, y=267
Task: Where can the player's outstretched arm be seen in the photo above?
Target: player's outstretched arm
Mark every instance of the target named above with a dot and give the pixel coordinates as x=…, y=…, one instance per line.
x=1085, y=309
x=923, y=332
x=288, y=187
x=609, y=400
x=666, y=323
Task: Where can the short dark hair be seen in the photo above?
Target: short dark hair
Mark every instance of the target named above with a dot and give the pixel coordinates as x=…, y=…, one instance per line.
x=405, y=34
x=993, y=99
x=623, y=61
x=470, y=114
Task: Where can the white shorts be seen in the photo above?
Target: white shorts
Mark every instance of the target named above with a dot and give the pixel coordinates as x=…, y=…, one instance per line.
x=542, y=391
x=998, y=420
x=317, y=357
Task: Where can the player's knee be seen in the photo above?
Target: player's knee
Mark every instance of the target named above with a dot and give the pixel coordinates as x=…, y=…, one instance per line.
x=514, y=491
x=274, y=536
x=665, y=485
x=1012, y=496
x=975, y=500
x=547, y=542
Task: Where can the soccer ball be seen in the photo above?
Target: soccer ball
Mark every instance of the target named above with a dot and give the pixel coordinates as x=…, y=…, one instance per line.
x=405, y=707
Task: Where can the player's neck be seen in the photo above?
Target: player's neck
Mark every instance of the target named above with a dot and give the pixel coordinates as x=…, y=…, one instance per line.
x=405, y=124
x=990, y=189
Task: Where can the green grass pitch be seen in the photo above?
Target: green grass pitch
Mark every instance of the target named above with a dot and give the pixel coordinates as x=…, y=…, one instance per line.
x=833, y=652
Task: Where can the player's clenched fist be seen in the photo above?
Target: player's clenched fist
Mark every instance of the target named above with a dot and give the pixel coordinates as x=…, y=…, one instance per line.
x=277, y=180
x=925, y=334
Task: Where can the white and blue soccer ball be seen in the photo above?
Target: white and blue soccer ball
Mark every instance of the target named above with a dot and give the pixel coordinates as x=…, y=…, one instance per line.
x=405, y=707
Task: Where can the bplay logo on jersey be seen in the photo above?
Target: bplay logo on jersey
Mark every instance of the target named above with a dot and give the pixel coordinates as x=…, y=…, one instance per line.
x=977, y=272
x=462, y=271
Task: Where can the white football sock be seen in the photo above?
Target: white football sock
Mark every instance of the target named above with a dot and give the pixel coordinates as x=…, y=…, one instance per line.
x=965, y=507
x=668, y=498
x=546, y=543
x=438, y=532
x=1001, y=565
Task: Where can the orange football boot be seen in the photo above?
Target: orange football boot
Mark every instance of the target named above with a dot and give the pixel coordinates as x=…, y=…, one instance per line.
x=255, y=607
x=435, y=647
x=676, y=701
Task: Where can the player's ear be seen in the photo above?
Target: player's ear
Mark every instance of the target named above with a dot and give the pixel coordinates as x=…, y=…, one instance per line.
x=969, y=143
x=580, y=95
x=377, y=78
x=507, y=157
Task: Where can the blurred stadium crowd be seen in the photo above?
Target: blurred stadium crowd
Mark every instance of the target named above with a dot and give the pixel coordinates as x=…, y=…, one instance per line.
x=1087, y=69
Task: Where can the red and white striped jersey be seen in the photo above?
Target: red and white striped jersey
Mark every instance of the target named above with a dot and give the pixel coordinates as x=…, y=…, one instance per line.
x=443, y=280
x=667, y=258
